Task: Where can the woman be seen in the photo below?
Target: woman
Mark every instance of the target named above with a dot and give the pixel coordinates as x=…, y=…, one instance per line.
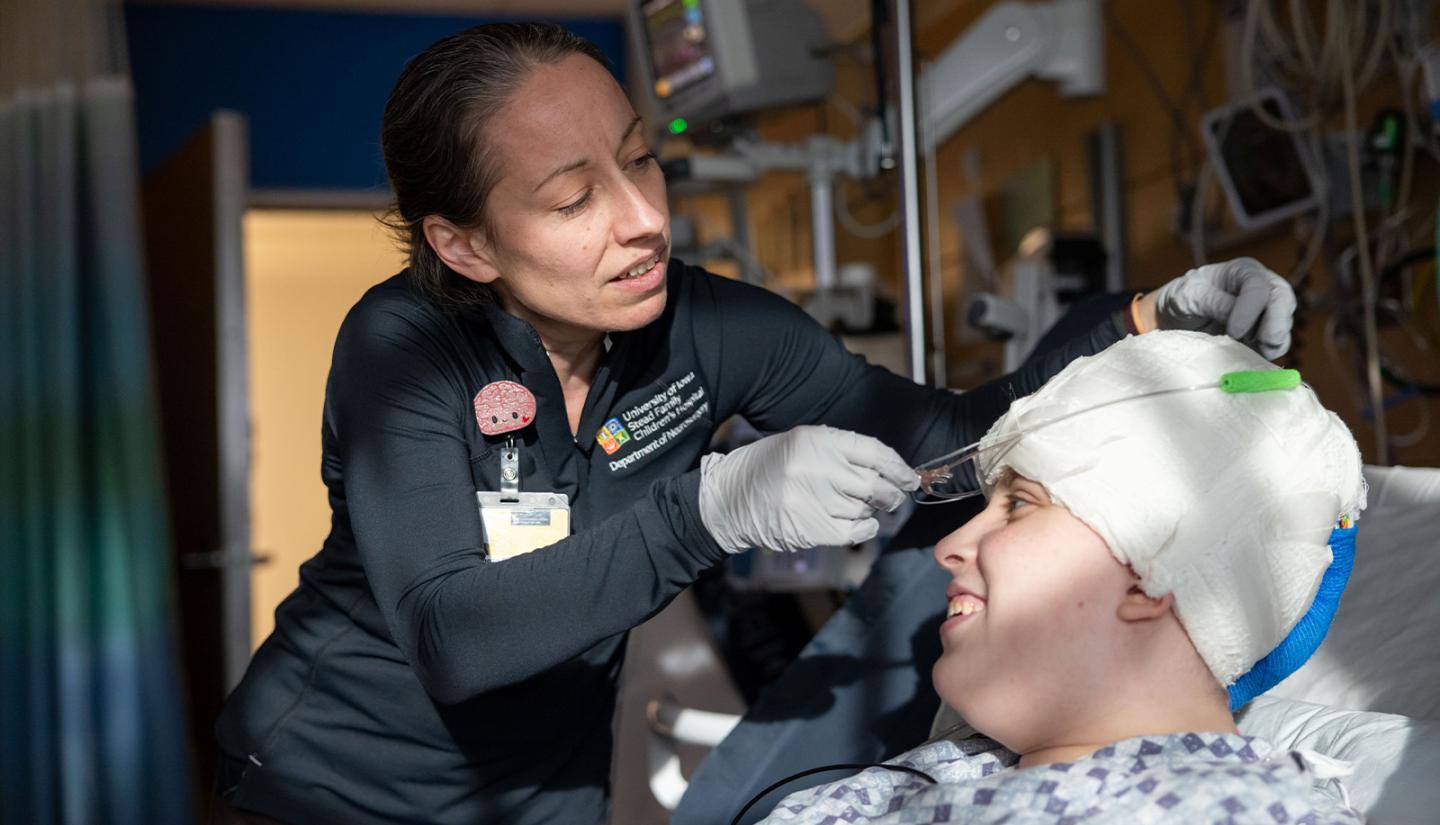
x=409, y=676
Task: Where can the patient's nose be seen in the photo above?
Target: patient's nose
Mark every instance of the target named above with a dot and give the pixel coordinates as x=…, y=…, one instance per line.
x=957, y=549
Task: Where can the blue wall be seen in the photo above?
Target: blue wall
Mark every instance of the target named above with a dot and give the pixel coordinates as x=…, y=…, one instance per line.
x=313, y=84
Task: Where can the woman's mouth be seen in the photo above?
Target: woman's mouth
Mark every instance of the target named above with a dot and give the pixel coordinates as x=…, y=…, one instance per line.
x=643, y=277
x=640, y=268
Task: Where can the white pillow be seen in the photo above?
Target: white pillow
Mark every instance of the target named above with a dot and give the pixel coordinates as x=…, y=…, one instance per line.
x=1381, y=653
x=1396, y=759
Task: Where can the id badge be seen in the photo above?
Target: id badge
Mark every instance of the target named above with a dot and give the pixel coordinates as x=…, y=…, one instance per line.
x=516, y=523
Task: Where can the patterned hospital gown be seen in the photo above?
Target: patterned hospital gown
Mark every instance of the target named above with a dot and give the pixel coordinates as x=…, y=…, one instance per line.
x=1181, y=778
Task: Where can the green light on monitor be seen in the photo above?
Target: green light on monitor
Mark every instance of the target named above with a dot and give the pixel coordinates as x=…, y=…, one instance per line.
x=678, y=126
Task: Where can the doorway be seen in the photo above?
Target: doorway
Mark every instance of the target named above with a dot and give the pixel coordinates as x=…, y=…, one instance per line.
x=304, y=269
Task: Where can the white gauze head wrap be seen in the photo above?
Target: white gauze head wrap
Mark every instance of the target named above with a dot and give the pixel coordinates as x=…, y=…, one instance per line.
x=1225, y=500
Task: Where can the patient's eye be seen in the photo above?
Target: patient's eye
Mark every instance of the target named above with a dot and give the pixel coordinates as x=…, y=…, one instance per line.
x=1026, y=493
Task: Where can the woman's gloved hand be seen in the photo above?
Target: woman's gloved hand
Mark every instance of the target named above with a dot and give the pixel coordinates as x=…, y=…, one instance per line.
x=809, y=487
x=1241, y=298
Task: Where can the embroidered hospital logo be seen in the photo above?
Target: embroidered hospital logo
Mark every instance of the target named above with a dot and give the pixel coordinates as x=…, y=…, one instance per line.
x=655, y=421
x=612, y=435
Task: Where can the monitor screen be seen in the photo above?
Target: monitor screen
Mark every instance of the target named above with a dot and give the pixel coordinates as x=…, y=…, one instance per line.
x=680, y=52
x=1263, y=164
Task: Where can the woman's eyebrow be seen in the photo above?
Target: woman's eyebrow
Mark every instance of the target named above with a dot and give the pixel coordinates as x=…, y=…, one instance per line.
x=631, y=128
x=569, y=167
x=584, y=162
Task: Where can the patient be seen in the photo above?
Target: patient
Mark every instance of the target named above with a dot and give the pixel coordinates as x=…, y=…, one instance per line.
x=1133, y=561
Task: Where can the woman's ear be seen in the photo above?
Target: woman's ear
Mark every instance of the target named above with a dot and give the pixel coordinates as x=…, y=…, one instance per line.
x=462, y=250
x=1138, y=607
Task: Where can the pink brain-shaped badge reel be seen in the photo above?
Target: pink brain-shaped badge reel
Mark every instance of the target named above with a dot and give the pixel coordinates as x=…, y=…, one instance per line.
x=504, y=407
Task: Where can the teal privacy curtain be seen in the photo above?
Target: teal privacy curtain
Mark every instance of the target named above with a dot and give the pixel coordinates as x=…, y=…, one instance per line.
x=91, y=720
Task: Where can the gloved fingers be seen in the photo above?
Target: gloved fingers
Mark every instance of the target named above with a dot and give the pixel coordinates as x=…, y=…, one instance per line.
x=846, y=507
x=1273, y=334
x=874, y=454
x=1252, y=300
x=1230, y=275
x=829, y=532
x=864, y=530
x=1205, y=307
x=869, y=488
x=1271, y=351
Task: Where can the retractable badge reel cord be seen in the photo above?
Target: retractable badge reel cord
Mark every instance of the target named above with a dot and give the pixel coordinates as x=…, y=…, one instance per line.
x=515, y=522
x=942, y=481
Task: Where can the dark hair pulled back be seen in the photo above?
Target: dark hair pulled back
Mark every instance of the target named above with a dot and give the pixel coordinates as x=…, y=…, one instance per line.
x=436, y=142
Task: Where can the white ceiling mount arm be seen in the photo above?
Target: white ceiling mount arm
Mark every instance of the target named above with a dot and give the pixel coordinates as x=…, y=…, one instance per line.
x=1078, y=63
x=1060, y=40
x=820, y=159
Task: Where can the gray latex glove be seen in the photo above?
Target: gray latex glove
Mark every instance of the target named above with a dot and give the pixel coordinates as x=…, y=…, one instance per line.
x=809, y=487
x=1240, y=298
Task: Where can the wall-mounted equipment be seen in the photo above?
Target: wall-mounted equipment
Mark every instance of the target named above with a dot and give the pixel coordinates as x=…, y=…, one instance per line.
x=1266, y=173
x=705, y=60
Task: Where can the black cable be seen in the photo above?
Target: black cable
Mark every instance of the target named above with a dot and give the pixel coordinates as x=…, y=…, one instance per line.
x=1185, y=153
x=1199, y=60
x=1393, y=374
x=1175, y=114
x=1389, y=370
x=837, y=767
x=1422, y=255
x=879, y=16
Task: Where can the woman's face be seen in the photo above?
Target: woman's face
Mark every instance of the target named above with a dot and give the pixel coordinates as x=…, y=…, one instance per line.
x=1033, y=627
x=581, y=227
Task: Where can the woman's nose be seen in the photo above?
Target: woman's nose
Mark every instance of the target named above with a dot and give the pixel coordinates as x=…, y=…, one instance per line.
x=638, y=218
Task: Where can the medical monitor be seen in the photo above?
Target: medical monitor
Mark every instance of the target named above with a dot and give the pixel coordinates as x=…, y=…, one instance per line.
x=704, y=60
x=1265, y=173
x=681, y=46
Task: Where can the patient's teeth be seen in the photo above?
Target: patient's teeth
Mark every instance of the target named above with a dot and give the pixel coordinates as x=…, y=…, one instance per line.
x=964, y=605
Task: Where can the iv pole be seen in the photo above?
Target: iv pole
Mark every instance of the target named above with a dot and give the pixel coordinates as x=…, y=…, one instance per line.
x=909, y=195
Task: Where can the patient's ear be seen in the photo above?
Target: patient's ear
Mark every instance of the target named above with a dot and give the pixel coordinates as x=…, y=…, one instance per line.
x=1138, y=607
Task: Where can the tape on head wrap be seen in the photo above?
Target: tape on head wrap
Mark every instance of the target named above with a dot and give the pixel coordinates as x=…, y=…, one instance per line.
x=1224, y=499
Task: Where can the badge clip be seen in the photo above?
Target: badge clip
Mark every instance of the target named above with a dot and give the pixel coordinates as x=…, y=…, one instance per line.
x=510, y=469
x=515, y=523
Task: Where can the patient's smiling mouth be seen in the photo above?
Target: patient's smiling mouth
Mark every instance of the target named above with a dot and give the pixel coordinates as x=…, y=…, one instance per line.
x=964, y=605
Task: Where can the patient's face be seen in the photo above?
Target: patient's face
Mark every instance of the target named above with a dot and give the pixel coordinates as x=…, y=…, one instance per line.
x=1027, y=662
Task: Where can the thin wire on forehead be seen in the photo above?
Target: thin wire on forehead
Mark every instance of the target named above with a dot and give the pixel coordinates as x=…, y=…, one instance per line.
x=939, y=470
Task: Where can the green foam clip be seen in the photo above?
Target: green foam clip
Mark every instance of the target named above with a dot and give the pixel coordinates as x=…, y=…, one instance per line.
x=1260, y=380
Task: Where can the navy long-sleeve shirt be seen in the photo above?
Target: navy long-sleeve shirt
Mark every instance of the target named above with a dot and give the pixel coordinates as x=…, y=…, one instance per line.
x=410, y=679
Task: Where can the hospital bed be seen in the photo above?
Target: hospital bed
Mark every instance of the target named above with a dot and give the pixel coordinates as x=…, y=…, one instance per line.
x=1370, y=695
